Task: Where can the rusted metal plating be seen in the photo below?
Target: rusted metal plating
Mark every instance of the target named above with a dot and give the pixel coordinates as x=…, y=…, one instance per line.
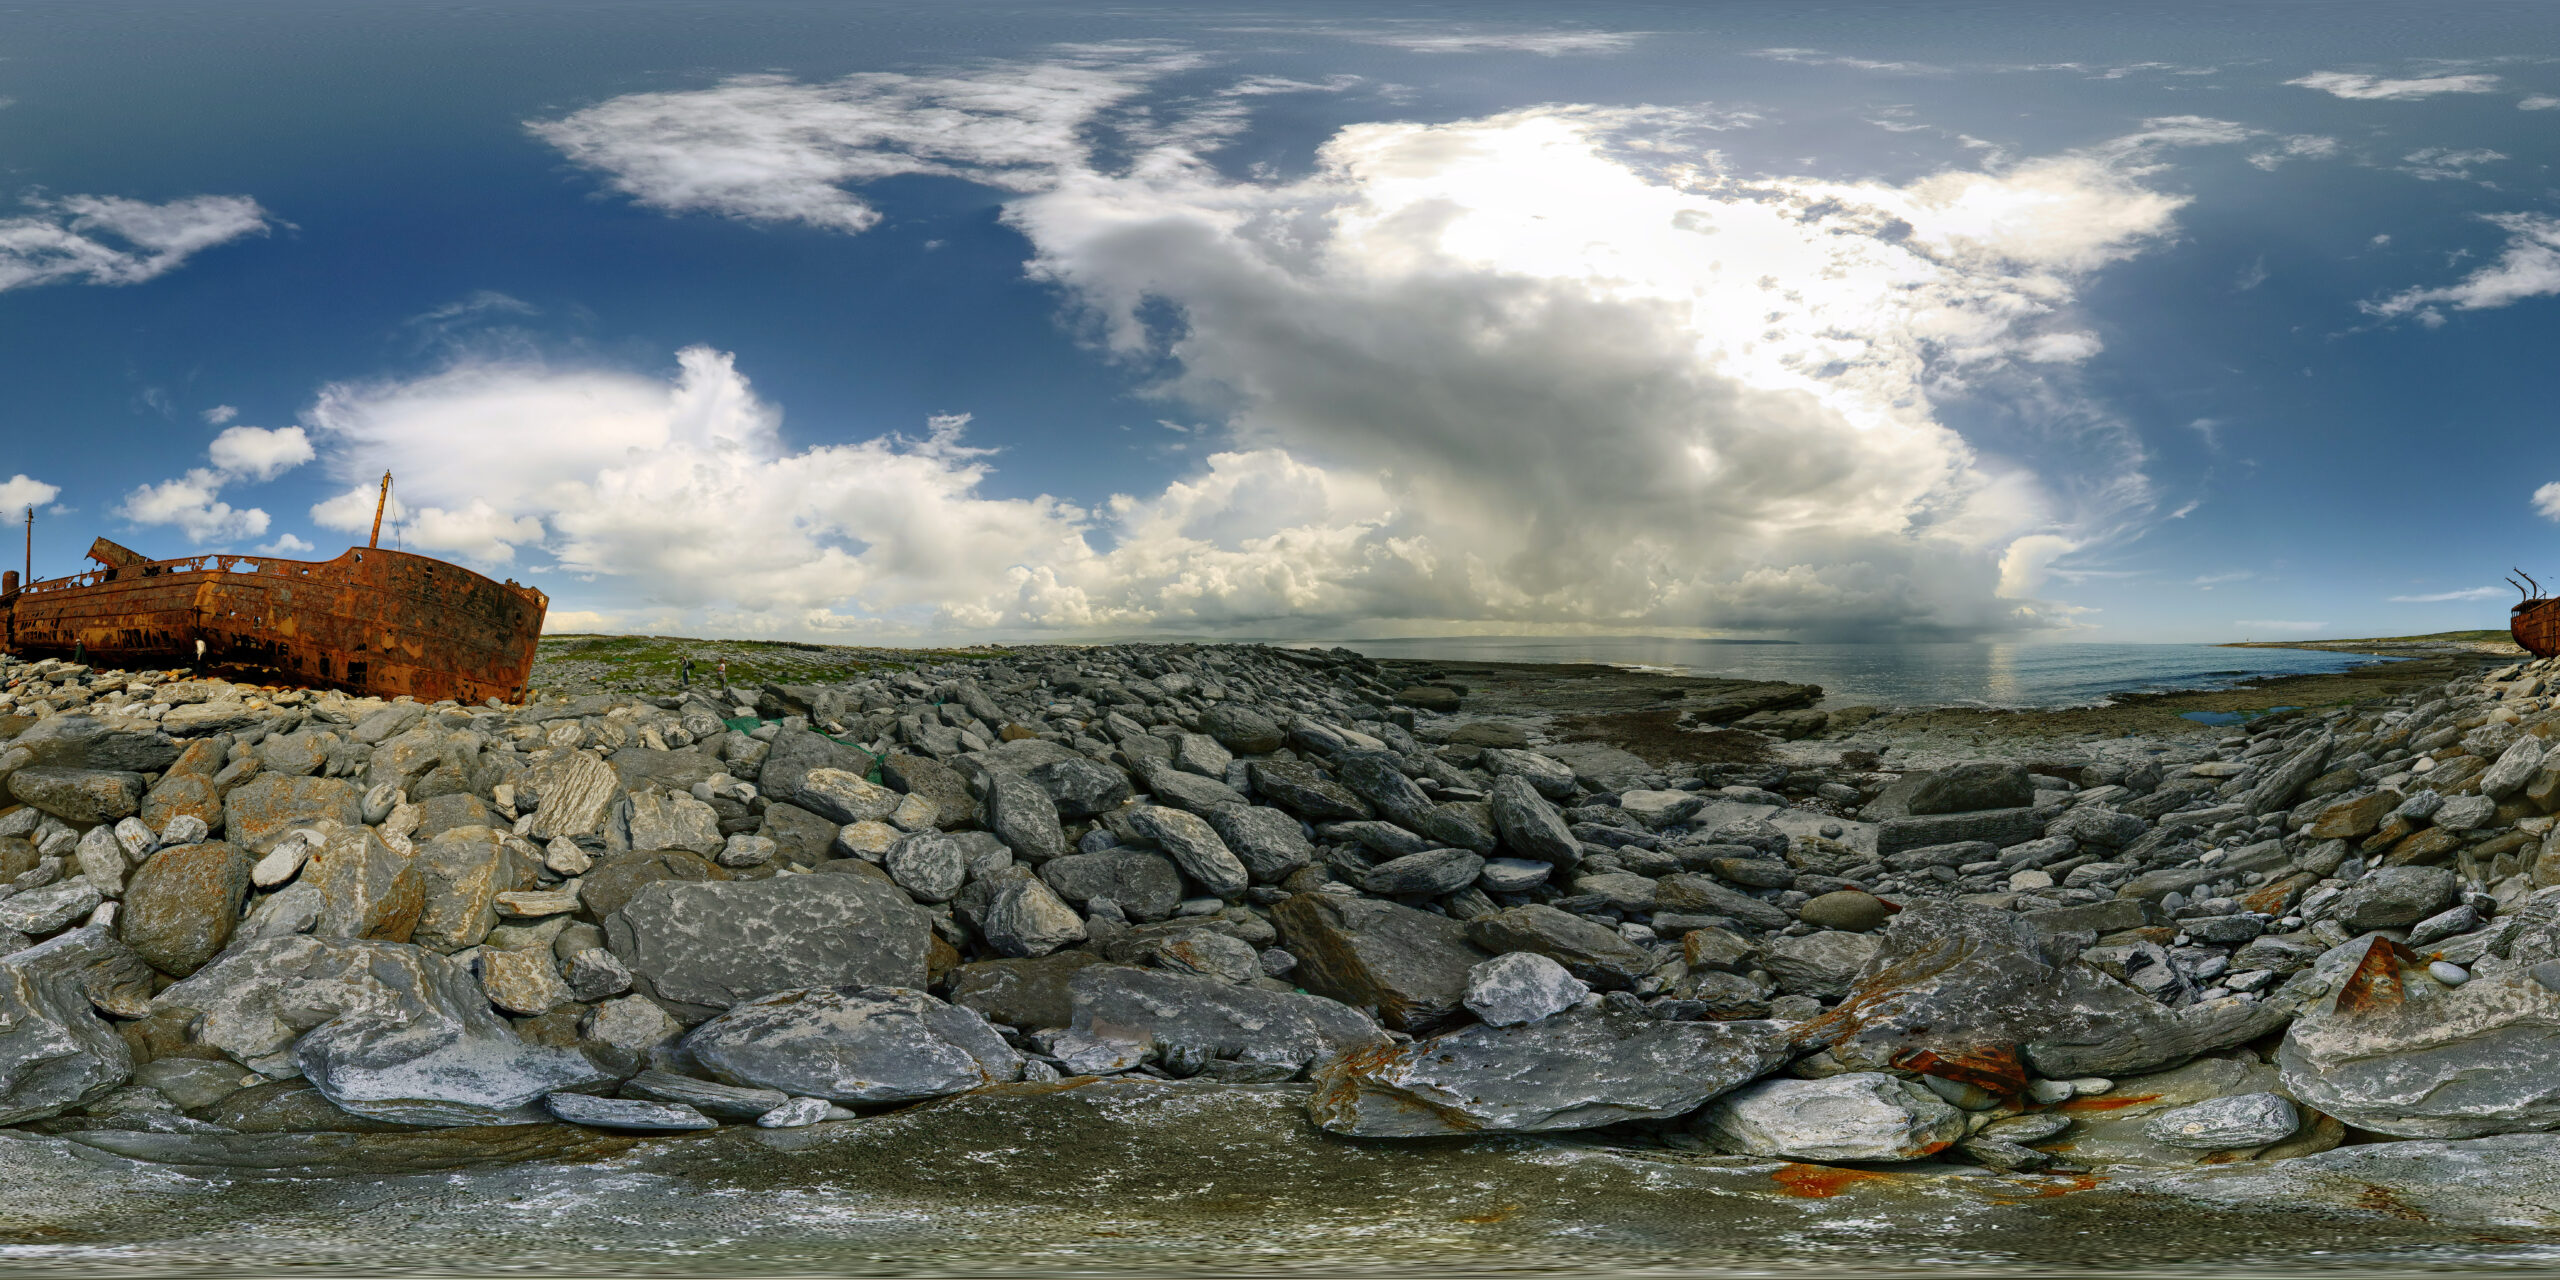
x=372, y=621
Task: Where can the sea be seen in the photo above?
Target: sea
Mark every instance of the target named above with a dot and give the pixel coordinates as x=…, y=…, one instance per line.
x=1906, y=675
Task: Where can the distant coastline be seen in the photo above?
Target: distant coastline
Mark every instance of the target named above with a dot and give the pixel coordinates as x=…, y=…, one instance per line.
x=2442, y=642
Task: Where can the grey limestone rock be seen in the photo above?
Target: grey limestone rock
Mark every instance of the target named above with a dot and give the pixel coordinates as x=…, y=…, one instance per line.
x=1428, y=874
x=1520, y=987
x=1967, y=788
x=853, y=1045
x=708, y=1097
x=1022, y=815
x=1411, y=966
x=1591, y=952
x=76, y=795
x=1550, y=777
x=1156, y=1013
x=1859, y=1116
x=1241, y=729
x=1824, y=964
x=2388, y=1048
x=1530, y=827
x=2395, y=896
x=1572, y=1071
x=838, y=795
x=1305, y=790
x=1145, y=883
x=56, y=1053
x=2001, y=827
x=1081, y=788
x=1023, y=917
x=1268, y=842
x=929, y=865
x=1194, y=846
x=626, y=1113
x=2221, y=1124
x=384, y=1029
x=717, y=943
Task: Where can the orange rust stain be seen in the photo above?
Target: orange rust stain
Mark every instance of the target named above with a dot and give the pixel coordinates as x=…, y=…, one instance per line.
x=2108, y=1104
x=2055, y=1190
x=1502, y=1214
x=2376, y=982
x=1996, y=1068
x=1820, y=1181
x=2382, y=1200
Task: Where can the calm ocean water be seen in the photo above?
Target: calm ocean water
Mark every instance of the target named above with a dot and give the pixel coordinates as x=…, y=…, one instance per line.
x=1908, y=675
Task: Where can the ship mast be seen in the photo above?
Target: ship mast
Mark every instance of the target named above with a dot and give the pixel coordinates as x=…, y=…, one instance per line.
x=378, y=505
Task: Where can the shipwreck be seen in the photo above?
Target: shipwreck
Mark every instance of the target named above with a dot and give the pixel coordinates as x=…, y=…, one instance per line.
x=372, y=621
x=2535, y=620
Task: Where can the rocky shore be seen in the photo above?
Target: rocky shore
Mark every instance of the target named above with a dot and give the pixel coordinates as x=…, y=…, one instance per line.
x=296, y=931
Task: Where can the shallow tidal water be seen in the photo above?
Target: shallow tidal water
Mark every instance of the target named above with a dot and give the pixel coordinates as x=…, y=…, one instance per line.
x=1148, y=1178
x=1908, y=675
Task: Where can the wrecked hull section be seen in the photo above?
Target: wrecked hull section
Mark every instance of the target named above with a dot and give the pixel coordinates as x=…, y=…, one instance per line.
x=372, y=621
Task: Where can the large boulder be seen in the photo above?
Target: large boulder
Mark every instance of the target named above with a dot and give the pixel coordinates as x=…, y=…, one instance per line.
x=56, y=1053
x=1823, y=964
x=842, y=795
x=1081, y=787
x=853, y=1045
x=797, y=751
x=665, y=820
x=612, y=881
x=1589, y=950
x=462, y=871
x=1305, y=790
x=1030, y=993
x=1967, y=788
x=1859, y=1116
x=576, y=790
x=1530, y=826
x=367, y=888
x=2388, y=1048
x=1144, y=883
x=1241, y=729
x=1269, y=843
x=1977, y=995
x=953, y=806
x=83, y=796
x=1022, y=815
x=383, y=1029
x=2002, y=827
x=2392, y=897
x=1194, y=846
x=1024, y=917
x=1411, y=966
x=718, y=943
x=261, y=811
x=183, y=904
x=1170, y=1016
x=1573, y=1071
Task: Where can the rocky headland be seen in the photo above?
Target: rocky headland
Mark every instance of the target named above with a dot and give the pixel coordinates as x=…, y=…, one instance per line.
x=2309, y=963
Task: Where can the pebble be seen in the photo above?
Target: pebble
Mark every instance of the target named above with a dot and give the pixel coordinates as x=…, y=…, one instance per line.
x=2448, y=973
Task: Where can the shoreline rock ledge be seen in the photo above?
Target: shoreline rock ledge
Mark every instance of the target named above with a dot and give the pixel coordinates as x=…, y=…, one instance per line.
x=233, y=915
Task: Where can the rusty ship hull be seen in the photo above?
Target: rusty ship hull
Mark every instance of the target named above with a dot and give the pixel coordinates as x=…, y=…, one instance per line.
x=2536, y=626
x=372, y=621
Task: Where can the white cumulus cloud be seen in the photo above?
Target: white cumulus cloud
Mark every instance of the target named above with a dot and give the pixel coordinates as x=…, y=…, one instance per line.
x=1545, y=366
x=2546, y=500
x=2528, y=267
x=2365, y=88
x=111, y=240
x=286, y=545
x=259, y=453
x=193, y=502
x=18, y=492
x=2539, y=102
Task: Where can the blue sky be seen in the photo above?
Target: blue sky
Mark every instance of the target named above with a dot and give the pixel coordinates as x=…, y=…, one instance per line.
x=850, y=321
